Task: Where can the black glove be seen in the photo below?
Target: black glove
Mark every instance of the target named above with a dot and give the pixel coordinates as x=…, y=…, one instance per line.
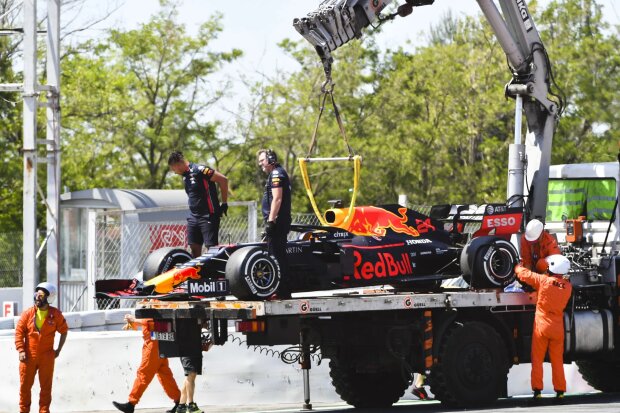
x=270, y=228
x=224, y=209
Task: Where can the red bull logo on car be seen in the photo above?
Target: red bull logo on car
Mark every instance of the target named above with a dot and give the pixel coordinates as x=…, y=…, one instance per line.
x=375, y=221
x=385, y=265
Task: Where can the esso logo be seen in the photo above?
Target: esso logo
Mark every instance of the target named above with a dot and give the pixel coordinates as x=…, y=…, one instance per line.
x=501, y=222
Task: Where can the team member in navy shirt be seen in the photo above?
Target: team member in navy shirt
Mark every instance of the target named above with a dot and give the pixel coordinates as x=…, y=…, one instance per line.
x=276, y=209
x=205, y=210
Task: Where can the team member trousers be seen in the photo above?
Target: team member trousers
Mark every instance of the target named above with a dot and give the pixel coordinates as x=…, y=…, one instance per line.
x=276, y=245
x=548, y=336
x=44, y=364
x=151, y=365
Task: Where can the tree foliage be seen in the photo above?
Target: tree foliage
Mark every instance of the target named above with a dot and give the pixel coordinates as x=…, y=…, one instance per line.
x=431, y=122
x=10, y=128
x=135, y=96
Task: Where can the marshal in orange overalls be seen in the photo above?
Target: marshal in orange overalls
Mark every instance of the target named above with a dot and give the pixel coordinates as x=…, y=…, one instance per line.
x=151, y=365
x=553, y=295
x=533, y=254
x=40, y=355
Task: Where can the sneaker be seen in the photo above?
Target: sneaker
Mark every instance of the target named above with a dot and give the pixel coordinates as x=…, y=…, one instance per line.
x=559, y=398
x=174, y=408
x=420, y=393
x=193, y=408
x=182, y=408
x=124, y=407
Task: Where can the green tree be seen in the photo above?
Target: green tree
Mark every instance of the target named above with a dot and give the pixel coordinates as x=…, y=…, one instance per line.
x=10, y=127
x=135, y=96
x=584, y=52
x=283, y=114
x=432, y=122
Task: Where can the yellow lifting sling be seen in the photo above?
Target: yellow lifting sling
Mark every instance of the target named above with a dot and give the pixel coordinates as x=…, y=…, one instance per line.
x=352, y=157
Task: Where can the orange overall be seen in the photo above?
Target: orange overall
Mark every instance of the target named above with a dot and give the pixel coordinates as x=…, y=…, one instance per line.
x=40, y=355
x=150, y=365
x=553, y=295
x=533, y=254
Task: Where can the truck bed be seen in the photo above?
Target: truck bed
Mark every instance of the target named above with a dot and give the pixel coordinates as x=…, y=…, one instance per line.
x=345, y=303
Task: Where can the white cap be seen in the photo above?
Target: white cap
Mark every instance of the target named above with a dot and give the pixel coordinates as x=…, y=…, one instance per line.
x=533, y=230
x=50, y=289
x=558, y=264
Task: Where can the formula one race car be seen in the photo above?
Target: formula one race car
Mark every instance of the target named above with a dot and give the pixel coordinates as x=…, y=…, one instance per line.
x=387, y=245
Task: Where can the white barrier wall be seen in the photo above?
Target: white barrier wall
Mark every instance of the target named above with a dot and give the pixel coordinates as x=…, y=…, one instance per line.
x=96, y=367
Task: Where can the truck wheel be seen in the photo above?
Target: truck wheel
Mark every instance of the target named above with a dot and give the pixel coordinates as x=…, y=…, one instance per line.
x=162, y=260
x=252, y=273
x=489, y=262
x=602, y=375
x=472, y=366
x=379, y=389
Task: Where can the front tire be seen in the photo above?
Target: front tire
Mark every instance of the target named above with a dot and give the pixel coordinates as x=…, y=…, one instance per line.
x=380, y=389
x=489, y=262
x=162, y=260
x=252, y=274
x=472, y=366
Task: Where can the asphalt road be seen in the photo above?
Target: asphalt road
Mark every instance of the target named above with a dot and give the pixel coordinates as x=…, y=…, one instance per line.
x=590, y=403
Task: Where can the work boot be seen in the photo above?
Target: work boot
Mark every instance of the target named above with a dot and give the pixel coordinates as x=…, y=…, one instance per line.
x=193, y=408
x=559, y=398
x=536, y=398
x=174, y=408
x=124, y=407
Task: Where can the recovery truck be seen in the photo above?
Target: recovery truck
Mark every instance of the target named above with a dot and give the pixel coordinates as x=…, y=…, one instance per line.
x=464, y=339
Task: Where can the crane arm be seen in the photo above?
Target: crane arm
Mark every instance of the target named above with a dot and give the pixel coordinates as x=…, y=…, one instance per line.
x=337, y=22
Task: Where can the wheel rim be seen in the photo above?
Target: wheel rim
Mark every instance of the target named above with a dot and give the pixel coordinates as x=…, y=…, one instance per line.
x=263, y=274
x=475, y=366
x=500, y=265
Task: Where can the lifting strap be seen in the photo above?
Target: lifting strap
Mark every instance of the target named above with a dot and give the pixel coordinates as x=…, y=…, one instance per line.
x=327, y=90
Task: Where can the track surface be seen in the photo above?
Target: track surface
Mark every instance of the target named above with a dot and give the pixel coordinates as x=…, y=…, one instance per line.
x=590, y=403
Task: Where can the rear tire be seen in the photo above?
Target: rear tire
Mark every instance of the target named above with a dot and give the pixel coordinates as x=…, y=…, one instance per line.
x=379, y=389
x=252, y=274
x=489, y=262
x=472, y=366
x=162, y=260
x=602, y=375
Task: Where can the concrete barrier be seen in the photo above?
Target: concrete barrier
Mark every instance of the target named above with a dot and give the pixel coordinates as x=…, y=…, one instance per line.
x=95, y=368
x=6, y=323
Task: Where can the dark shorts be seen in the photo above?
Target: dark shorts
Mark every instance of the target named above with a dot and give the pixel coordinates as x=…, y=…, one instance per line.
x=192, y=365
x=202, y=230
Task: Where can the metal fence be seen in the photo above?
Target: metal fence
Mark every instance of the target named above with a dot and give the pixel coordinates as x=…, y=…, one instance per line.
x=10, y=259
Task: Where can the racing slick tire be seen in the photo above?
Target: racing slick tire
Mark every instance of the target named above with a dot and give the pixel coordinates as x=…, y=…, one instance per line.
x=601, y=374
x=472, y=366
x=380, y=389
x=489, y=262
x=252, y=274
x=162, y=260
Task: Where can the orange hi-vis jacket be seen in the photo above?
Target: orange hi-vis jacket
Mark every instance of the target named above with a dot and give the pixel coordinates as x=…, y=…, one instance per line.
x=34, y=342
x=553, y=295
x=532, y=252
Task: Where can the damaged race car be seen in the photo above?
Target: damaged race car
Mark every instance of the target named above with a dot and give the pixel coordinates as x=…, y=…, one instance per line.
x=385, y=245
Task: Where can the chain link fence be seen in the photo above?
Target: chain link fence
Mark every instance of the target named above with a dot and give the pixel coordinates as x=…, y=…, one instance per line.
x=11, y=259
